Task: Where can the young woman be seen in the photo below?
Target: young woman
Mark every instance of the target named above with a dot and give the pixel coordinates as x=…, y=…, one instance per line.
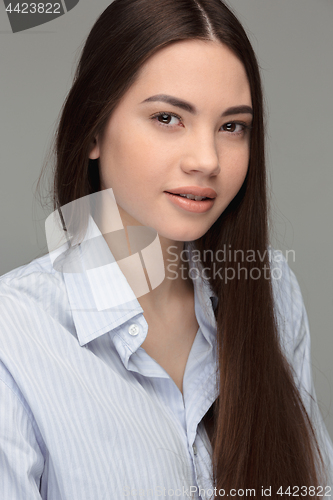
x=198, y=385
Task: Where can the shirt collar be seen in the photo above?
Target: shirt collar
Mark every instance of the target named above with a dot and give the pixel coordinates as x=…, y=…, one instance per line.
x=101, y=298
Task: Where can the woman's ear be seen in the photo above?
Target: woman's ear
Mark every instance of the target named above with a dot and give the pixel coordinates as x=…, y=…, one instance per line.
x=94, y=150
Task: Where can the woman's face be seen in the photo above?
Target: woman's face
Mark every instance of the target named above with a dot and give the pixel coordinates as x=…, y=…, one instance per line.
x=183, y=126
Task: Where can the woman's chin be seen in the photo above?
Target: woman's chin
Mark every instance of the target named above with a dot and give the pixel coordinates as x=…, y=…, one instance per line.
x=182, y=235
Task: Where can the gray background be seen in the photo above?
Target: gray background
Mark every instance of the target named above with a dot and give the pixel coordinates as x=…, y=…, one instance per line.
x=294, y=42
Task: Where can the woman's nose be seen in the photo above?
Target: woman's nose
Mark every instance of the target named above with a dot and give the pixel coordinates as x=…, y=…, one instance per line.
x=201, y=155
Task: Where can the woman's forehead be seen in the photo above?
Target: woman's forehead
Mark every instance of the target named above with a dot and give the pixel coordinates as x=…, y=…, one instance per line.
x=192, y=69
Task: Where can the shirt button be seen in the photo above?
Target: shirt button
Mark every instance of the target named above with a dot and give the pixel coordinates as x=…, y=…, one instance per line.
x=133, y=330
x=195, y=451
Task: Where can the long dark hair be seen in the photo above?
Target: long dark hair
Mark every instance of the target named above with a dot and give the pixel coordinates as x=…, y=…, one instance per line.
x=259, y=429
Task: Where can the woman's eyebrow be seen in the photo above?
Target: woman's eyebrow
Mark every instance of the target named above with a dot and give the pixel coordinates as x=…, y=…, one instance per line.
x=174, y=101
x=237, y=110
x=180, y=103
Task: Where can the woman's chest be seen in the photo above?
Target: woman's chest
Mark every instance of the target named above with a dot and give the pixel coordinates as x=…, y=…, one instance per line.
x=103, y=440
x=170, y=340
x=171, y=352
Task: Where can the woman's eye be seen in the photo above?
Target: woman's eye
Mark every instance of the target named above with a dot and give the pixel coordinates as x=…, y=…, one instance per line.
x=166, y=118
x=235, y=128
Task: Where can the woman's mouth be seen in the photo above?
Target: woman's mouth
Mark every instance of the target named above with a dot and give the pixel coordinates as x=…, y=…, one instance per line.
x=192, y=197
x=191, y=202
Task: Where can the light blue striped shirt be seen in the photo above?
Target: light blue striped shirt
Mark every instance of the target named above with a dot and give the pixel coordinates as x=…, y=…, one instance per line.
x=87, y=414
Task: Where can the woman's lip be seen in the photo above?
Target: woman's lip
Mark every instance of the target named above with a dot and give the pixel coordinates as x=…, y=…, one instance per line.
x=195, y=190
x=190, y=205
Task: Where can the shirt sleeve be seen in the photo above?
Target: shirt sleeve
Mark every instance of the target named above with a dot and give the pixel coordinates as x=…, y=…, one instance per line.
x=298, y=349
x=21, y=459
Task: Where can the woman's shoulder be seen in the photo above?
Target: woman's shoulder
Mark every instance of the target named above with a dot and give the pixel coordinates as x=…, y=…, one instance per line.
x=289, y=305
x=286, y=289
x=29, y=287
x=293, y=325
x=40, y=267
